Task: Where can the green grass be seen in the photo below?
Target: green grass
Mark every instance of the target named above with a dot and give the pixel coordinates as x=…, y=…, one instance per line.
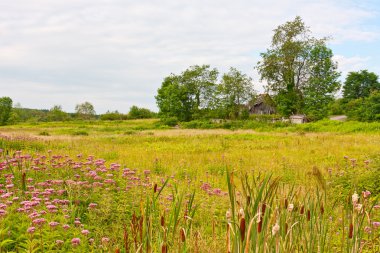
x=302, y=159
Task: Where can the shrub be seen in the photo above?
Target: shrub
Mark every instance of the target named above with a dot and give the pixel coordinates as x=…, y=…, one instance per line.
x=170, y=121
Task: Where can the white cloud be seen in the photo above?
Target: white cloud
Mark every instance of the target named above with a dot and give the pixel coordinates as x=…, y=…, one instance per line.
x=116, y=53
x=348, y=64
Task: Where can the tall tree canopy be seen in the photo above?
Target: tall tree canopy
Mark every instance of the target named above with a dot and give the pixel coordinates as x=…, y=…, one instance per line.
x=360, y=84
x=188, y=95
x=5, y=109
x=85, y=110
x=299, y=70
x=234, y=92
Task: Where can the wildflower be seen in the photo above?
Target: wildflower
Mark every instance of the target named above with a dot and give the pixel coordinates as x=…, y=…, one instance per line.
x=92, y=205
x=359, y=208
x=31, y=230
x=2, y=212
x=355, y=198
x=66, y=227
x=53, y=224
x=75, y=241
x=367, y=230
x=39, y=221
x=275, y=229
x=376, y=224
x=85, y=232
x=228, y=215
x=290, y=207
x=366, y=194
x=105, y=240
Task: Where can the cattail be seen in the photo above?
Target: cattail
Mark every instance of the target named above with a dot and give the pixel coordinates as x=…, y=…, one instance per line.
x=117, y=251
x=263, y=207
x=351, y=230
x=260, y=226
x=164, y=248
x=302, y=211
x=155, y=188
x=228, y=239
x=322, y=209
x=248, y=200
x=162, y=221
x=126, y=239
x=182, y=234
x=242, y=228
x=286, y=203
x=308, y=215
x=286, y=228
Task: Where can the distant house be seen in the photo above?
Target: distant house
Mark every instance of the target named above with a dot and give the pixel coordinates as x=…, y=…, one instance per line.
x=298, y=119
x=263, y=105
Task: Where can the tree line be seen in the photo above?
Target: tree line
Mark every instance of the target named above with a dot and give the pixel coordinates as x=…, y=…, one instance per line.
x=10, y=114
x=300, y=77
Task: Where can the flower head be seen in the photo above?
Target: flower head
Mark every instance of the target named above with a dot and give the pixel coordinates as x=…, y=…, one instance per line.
x=275, y=229
x=75, y=241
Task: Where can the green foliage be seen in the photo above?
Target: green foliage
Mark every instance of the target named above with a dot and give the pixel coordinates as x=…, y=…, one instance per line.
x=113, y=116
x=188, y=95
x=5, y=110
x=233, y=93
x=57, y=114
x=299, y=71
x=140, y=113
x=169, y=121
x=80, y=132
x=44, y=133
x=364, y=109
x=85, y=111
x=360, y=85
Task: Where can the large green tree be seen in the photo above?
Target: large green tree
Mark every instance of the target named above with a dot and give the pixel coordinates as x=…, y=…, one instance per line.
x=299, y=70
x=57, y=114
x=85, y=110
x=360, y=84
x=5, y=110
x=187, y=96
x=234, y=92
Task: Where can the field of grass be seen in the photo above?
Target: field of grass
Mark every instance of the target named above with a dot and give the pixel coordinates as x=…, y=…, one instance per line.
x=136, y=186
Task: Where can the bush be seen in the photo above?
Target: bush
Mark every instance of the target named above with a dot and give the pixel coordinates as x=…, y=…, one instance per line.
x=113, y=116
x=169, y=121
x=81, y=132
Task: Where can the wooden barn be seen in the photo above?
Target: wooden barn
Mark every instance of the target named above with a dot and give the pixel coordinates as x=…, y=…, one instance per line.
x=263, y=105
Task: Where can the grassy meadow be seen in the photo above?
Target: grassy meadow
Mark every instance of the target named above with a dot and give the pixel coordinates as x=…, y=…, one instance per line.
x=138, y=186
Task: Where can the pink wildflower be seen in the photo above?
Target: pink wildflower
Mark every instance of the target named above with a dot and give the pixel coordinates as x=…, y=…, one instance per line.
x=75, y=241
x=105, y=240
x=53, y=224
x=31, y=230
x=366, y=194
x=85, y=232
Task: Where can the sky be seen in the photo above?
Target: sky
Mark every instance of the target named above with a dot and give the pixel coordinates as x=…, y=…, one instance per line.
x=116, y=53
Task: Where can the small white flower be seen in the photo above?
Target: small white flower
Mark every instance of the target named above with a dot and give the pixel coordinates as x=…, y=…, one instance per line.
x=241, y=212
x=275, y=229
x=355, y=198
x=228, y=215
